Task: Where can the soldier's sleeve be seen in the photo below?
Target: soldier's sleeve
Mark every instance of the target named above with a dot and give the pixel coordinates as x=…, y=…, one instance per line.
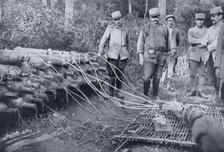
x=141, y=42
x=104, y=40
x=205, y=39
x=178, y=38
x=127, y=40
x=191, y=38
x=219, y=49
x=168, y=45
x=212, y=47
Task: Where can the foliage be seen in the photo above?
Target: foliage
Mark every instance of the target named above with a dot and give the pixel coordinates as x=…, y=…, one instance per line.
x=185, y=11
x=30, y=24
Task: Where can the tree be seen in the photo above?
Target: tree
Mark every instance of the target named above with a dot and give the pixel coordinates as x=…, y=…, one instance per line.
x=0, y=11
x=129, y=6
x=44, y=2
x=69, y=10
x=162, y=7
x=146, y=10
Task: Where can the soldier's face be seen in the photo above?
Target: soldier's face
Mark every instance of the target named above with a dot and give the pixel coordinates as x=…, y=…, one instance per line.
x=170, y=22
x=199, y=22
x=216, y=18
x=117, y=21
x=154, y=19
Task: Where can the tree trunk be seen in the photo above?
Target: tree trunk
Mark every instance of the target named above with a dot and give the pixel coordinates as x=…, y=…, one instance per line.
x=69, y=10
x=162, y=7
x=129, y=6
x=52, y=4
x=44, y=2
x=1, y=11
x=146, y=9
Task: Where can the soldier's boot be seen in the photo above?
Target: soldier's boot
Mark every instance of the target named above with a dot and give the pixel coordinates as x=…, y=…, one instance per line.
x=155, y=83
x=200, y=86
x=217, y=98
x=146, y=86
x=222, y=93
x=112, y=86
x=193, y=87
x=118, y=90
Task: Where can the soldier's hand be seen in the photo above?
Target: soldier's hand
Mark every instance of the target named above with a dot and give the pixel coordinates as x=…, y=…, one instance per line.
x=173, y=52
x=209, y=42
x=217, y=72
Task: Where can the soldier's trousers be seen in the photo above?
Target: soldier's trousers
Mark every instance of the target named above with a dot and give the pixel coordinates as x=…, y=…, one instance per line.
x=211, y=74
x=115, y=68
x=152, y=70
x=197, y=74
x=221, y=91
x=171, y=68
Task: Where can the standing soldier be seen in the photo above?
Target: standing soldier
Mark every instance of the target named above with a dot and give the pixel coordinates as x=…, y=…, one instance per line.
x=174, y=38
x=197, y=56
x=219, y=62
x=116, y=38
x=210, y=40
x=152, y=48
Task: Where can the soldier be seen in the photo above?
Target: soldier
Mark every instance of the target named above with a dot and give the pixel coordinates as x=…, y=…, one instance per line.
x=210, y=40
x=219, y=62
x=174, y=38
x=116, y=38
x=196, y=56
x=152, y=48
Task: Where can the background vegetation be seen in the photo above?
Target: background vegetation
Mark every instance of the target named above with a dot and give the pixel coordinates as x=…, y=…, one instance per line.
x=31, y=23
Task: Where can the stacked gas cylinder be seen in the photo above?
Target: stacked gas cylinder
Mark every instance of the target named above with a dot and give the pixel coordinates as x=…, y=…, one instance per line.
x=32, y=81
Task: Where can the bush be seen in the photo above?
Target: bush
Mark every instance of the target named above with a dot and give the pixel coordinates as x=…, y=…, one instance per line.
x=30, y=24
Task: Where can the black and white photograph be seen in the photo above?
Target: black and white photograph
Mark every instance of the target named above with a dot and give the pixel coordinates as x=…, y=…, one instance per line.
x=111, y=75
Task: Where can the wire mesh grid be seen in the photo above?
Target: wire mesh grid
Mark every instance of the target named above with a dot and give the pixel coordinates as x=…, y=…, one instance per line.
x=143, y=129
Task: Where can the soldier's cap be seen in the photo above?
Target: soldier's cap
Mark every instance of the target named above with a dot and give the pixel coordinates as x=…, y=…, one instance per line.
x=216, y=11
x=200, y=16
x=170, y=16
x=116, y=15
x=154, y=12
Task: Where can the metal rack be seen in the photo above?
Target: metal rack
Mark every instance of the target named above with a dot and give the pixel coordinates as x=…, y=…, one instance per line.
x=142, y=129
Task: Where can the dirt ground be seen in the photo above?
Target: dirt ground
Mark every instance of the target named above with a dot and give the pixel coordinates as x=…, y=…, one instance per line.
x=102, y=124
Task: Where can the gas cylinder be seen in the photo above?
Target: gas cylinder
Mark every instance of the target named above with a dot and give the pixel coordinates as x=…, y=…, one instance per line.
x=6, y=94
x=10, y=57
x=9, y=118
x=18, y=87
x=3, y=106
x=20, y=104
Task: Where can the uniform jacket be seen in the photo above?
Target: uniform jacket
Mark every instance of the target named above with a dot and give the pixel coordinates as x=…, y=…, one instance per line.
x=174, y=38
x=196, y=50
x=154, y=38
x=219, y=59
x=116, y=39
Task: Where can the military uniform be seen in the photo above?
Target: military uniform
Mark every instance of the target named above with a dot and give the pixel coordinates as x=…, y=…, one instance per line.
x=153, y=44
x=210, y=40
x=174, y=38
x=219, y=62
x=196, y=56
x=116, y=38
